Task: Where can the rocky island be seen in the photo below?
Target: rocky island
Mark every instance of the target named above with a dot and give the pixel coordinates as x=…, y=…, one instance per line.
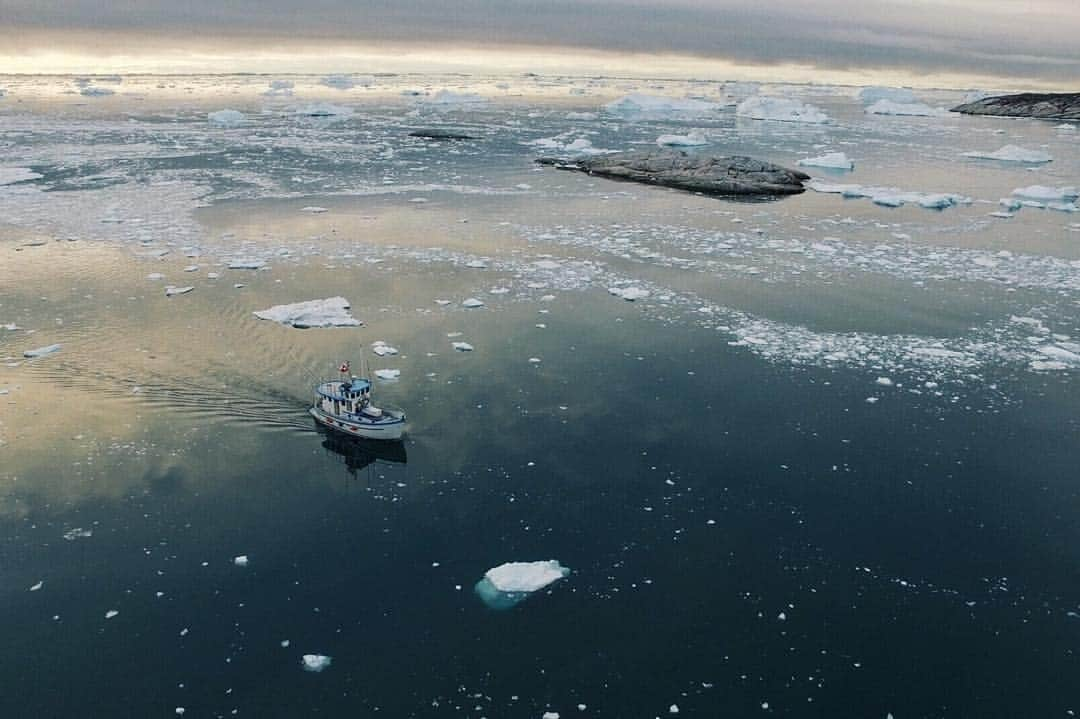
x=708, y=174
x=1044, y=106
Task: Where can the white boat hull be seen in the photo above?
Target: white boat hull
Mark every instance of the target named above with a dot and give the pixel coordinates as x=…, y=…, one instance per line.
x=389, y=430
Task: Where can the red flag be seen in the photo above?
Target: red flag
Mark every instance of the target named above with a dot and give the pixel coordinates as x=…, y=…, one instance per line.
x=344, y=366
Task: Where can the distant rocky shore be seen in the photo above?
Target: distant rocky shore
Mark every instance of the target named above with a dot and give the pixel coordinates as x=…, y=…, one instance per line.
x=1044, y=106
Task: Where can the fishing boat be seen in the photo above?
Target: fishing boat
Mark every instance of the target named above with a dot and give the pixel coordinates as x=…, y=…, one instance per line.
x=345, y=405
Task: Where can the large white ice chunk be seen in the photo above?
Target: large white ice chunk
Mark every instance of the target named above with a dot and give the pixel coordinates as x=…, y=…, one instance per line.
x=832, y=161
x=870, y=95
x=226, y=118
x=10, y=175
x=1047, y=194
x=1013, y=153
x=635, y=103
x=891, y=196
x=688, y=140
x=914, y=109
x=315, y=662
x=332, y=312
x=780, y=109
x=507, y=584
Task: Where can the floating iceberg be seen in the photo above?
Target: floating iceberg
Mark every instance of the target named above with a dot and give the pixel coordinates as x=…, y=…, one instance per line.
x=226, y=118
x=41, y=351
x=629, y=293
x=832, y=161
x=580, y=146
x=1013, y=153
x=508, y=584
x=388, y=374
x=241, y=561
x=447, y=97
x=913, y=109
x=891, y=196
x=462, y=346
x=635, y=104
x=324, y=109
x=338, y=82
x=315, y=662
x=472, y=303
x=780, y=109
x=11, y=175
x=871, y=95
x=689, y=140
x=1047, y=194
x=92, y=91
x=332, y=312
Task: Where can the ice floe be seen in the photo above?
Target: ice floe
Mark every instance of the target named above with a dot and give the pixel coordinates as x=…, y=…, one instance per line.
x=508, y=584
x=111, y=613
x=246, y=263
x=338, y=82
x=462, y=346
x=1013, y=153
x=280, y=88
x=831, y=160
x=241, y=560
x=331, y=312
x=382, y=349
x=94, y=91
x=315, y=662
x=871, y=95
x=388, y=374
x=629, y=293
x=564, y=145
x=691, y=139
x=636, y=103
x=226, y=118
x=1042, y=193
x=911, y=109
x=780, y=109
x=11, y=175
x=42, y=351
x=172, y=291
x=472, y=303
x=891, y=196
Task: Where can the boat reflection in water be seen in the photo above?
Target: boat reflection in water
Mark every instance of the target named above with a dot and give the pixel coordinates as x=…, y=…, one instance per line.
x=361, y=453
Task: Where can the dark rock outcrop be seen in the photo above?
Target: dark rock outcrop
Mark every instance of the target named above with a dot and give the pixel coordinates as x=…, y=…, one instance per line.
x=1045, y=106
x=711, y=175
x=439, y=134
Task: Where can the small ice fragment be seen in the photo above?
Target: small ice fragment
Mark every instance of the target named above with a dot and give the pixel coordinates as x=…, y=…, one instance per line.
x=443, y=303
x=212, y=275
x=191, y=268
x=315, y=662
x=246, y=263
x=226, y=118
x=1013, y=153
x=1047, y=194
x=171, y=291
x=155, y=276
x=535, y=360
x=179, y=711
x=41, y=351
x=314, y=210
x=462, y=346
x=550, y=715
x=782, y=109
x=240, y=561
x=884, y=381
x=831, y=160
x=285, y=643
x=691, y=139
x=476, y=264
x=472, y=302
x=111, y=613
x=382, y=349
x=37, y=586
x=387, y=373
x=916, y=109
x=781, y=617
x=629, y=293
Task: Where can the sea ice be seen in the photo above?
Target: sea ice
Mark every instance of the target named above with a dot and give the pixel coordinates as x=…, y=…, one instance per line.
x=871, y=95
x=92, y=91
x=315, y=662
x=891, y=196
x=111, y=613
x=37, y=586
x=226, y=118
x=240, y=561
x=781, y=109
x=324, y=109
x=1013, y=153
x=11, y=175
x=1047, y=194
x=246, y=263
x=338, y=82
x=314, y=209
x=642, y=104
x=388, y=373
x=912, y=109
x=41, y=351
x=508, y=584
x=472, y=303
x=832, y=161
x=331, y=312
x=629, y=293
x=170, y=291
x=689, y=140
x=462, y=346
x=382, y=349
x=280, y=88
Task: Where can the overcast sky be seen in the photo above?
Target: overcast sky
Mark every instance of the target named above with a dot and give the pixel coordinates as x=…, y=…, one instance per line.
x=1025, y=39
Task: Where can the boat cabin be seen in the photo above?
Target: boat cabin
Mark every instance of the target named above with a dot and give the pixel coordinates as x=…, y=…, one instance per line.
x=348, y=397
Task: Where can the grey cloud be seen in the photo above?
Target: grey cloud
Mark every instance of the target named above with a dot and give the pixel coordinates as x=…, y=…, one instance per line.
x=1035, y=39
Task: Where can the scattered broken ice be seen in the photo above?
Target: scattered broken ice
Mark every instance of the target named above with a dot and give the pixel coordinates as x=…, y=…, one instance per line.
x=315, y=662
